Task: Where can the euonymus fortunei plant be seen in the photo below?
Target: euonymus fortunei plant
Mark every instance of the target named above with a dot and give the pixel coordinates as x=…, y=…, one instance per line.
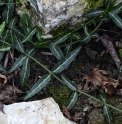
x=14, y=37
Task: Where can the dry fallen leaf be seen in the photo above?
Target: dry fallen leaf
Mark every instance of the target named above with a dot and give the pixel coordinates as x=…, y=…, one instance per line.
x=95, y=78
x=98, y=79
x=9, y=94
x=74, y=118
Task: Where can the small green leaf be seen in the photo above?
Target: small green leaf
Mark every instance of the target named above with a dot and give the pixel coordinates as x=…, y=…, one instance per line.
x=2, y=69
x=12, y=22
x=65, y=61
x=1, y=55
x=34, y=2
x=2, y=26
x=18, y=45
x=42, y=44
x=68, y=83
x=62, y=38
x=85, y=40
x=29, y=35
x=72, y=101
x=38, y=86
x=93, y=13
x=117, y=8
x=117, y=20
x=26, y=19
x=106, y=2
x=5, y=48
x=12, y=40
x=38, y=35
x=56, y=51
x=25, y=73
x=107, y=114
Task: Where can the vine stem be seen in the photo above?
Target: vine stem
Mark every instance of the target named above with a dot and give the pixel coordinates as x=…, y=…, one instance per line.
x=79, y=91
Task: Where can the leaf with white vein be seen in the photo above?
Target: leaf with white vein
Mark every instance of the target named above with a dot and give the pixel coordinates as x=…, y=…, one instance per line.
x=2, y=26
x=72, y=100
x=38, y=86
x=117, y=8
x=117, y=20
x=2, y=69
x=25, y=73
x=29, y=35
x=65, y=61
x=56, y=51
x=68, y=83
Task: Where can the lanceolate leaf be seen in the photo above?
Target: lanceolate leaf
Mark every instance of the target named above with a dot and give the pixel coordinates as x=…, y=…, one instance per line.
x=68, y=83
x=62, y=38
x=41, y=44
x=118, y=8
x=76, y=36
x=20, y=60
x=56, y=51
x=12, y=22
x=117, y=20
x=72, y=101
x=25, y=73
x=2, y=69
x=26, y=19
x=29, y=35
x=18, y=32
x=93, y=13
x=2, y=26
x=106, y=2
x=18, y=45
x=8, y=11
x=17, y=63
x=38, y=86
x=107, y=114
x=65, y=61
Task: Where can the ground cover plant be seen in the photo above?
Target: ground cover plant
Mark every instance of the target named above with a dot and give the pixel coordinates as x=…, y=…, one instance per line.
x=23, y=41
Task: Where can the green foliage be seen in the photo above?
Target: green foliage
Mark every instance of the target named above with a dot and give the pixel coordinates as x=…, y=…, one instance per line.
x=60, y=95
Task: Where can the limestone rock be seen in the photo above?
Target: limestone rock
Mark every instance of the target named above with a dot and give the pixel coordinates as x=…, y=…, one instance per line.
x=44, y=111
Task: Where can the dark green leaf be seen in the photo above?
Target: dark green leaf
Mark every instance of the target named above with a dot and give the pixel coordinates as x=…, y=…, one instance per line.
x=69, y=83
x=72, y=101
x=117, y=8
x=18, y=45
x=65, y=61
x=2, y=26
x=8, y=11
x=56, y=51
x=25, y=73
x=107, y=114
x=5, y=48
x=1, y=3
x=38, y=35
x=41, y=44
x=34, y=2
x=102, y=97
x=13, y=22
x=68, y=48
x=18, y=32
x=20, y=60
x=38, y=86
x=120, y=52
x=2, y=69
x=93, y=13
x=26, y=19
x=117, y=20
x=29, y=35
x=62, y=38
x=1, y=55
x=106, y=2
x=12, y=40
